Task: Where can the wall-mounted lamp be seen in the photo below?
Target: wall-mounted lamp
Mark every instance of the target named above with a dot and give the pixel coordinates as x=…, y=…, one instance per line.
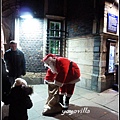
x=26, y=13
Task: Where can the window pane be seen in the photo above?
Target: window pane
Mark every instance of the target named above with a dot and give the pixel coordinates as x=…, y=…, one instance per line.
x=57, y=26
x=54, y=46
x=57, y=34
x=51, y=32
x=51, y=25
x=54, y=29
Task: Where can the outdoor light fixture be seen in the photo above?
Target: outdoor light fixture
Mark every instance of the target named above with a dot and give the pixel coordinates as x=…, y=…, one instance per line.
x=26, y=13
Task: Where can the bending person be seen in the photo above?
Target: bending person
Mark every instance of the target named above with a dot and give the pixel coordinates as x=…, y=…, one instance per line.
x=61, y=78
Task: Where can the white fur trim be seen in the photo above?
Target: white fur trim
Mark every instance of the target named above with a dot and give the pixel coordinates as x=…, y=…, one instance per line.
x=58, y=83
x=55, y=83
x=48, y=81
x=68, y=95
x=61, y=84
x=19, y=81
x=61, y=93
x=48, y=60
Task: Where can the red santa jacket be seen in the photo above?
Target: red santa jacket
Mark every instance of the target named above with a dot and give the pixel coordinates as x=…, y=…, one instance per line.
x=68, y=72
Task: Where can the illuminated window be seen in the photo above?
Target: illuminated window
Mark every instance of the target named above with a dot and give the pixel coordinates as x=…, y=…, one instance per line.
x=110, y=56
x=54, y=38
x=55, y=28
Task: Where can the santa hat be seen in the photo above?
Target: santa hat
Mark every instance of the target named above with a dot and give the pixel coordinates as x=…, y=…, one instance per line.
x=48, y=56
x=19, y=82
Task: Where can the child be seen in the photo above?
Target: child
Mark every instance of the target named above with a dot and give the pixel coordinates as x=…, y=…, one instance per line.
x=19, y=100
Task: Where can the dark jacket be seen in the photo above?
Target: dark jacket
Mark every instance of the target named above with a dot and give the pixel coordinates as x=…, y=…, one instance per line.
x=5, y=81
x=15, y=62
x=19, y=101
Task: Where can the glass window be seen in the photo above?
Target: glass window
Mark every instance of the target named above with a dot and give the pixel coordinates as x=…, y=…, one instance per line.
x=55, y=29
x=54, y=37
x=55, y=47
x=111, y=64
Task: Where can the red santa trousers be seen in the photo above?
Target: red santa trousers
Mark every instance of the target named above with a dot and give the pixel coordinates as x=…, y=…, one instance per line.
x=67, y=90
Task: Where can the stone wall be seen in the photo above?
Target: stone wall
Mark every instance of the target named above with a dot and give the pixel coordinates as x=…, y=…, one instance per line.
x=31, y=43
x=83, y=46
x=86, y=46
x=106, y=80
x=34, y=78
x=79, y=22
x=85, y=52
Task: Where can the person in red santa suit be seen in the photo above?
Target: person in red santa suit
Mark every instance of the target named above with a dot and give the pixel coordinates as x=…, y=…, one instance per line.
x=61, y=76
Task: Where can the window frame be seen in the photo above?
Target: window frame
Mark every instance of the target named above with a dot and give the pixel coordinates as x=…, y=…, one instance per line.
x=59, y=50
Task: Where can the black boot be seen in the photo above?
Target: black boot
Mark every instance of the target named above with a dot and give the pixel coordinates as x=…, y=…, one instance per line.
x=61, y=99
x=66, y=105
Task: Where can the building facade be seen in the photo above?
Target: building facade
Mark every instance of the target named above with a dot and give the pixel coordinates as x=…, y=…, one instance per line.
x=83, y=31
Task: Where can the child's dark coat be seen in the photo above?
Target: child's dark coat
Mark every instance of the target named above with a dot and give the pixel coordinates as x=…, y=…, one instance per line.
x=19, y=101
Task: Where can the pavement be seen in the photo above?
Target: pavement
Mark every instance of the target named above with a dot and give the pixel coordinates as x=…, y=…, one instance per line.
x=84, y=105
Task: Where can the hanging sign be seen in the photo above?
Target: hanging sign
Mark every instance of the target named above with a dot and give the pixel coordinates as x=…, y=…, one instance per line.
x=112, y=21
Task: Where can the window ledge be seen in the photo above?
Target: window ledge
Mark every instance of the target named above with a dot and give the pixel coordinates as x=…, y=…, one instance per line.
x=55, y=17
